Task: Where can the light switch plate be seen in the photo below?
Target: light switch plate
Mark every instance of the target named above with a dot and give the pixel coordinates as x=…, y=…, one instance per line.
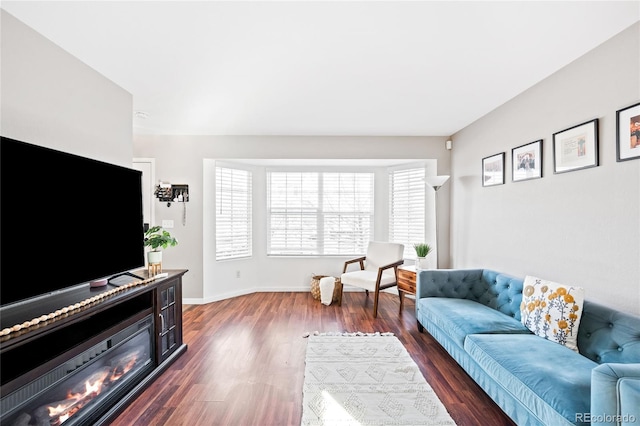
x=167, y=224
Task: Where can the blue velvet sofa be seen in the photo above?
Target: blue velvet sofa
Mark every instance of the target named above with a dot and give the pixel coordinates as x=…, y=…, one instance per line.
x=475, y=316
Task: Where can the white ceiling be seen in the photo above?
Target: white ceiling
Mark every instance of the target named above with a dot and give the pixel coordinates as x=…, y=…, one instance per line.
x=319, y=67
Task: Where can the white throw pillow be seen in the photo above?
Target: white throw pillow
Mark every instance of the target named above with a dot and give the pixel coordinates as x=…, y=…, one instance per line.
x=552, y=310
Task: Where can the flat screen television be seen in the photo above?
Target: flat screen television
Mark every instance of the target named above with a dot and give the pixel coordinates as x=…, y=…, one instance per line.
x=65, y=220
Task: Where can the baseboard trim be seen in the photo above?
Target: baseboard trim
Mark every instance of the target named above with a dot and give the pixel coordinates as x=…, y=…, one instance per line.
x=230, y=295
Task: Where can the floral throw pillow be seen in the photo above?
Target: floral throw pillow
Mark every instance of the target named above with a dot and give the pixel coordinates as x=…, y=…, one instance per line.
x=552, y=310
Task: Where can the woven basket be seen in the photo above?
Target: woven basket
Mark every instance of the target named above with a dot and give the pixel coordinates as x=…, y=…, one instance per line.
x=315, y=288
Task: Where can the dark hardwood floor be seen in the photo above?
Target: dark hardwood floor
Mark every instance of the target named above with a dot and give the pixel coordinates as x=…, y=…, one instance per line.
x=245, y=362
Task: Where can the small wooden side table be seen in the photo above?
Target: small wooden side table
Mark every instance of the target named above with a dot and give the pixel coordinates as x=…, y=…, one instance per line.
x=406, y=282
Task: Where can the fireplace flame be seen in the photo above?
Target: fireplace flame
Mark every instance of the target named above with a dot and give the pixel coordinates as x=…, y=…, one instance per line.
x=57, y=410
x=118, y=371
x=63, y=418
x=83, y=393
x=90, y=388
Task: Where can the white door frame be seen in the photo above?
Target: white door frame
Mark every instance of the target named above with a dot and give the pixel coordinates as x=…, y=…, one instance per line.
x=148, y=184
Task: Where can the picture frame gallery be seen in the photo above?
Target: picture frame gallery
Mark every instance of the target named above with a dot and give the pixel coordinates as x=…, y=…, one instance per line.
x=576, y=148
x=493, y=170
x=628, y=133
x=526, y=161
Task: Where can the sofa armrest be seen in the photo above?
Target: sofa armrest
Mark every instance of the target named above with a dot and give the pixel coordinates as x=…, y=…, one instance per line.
x=615, y=394
x=453, y=283
x=630, y=400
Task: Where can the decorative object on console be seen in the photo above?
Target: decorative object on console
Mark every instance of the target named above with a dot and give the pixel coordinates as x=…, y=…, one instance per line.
x=99, y=283
x=436, y=183
x=552, y=310
x=576, y=148
x=628, y=133
x=64, y=312
x=422, y=250
x=157, y=238
x=526, y=161
x=493, y=170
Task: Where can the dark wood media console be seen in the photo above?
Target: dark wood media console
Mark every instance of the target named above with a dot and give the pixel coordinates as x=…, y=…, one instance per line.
x=29, y=355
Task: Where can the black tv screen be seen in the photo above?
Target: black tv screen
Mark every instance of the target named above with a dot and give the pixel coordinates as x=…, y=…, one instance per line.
x=65, y=220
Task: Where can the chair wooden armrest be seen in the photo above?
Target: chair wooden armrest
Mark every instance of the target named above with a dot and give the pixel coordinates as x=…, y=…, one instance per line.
x=348, y=262
x=392, y=265
x=383, y=268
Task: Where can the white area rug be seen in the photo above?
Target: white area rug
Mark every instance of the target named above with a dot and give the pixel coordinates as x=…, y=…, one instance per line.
x=366, y=379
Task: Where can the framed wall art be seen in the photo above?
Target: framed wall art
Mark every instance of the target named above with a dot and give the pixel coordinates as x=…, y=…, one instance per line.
x=526, y=161
x=576, y=148
x=628, y=133
x=493, y=170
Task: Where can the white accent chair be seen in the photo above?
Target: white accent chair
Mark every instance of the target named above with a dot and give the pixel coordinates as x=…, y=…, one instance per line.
x=378, y=269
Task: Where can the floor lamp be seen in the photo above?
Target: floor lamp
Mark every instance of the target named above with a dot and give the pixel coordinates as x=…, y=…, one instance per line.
x=436, y=183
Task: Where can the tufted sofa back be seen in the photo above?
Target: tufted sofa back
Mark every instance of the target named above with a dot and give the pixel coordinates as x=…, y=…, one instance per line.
x=607, y=335
x=604, y=334
x=498, y=291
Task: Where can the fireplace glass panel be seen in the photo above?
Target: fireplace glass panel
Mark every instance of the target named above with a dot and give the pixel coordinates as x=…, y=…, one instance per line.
x=92, y=380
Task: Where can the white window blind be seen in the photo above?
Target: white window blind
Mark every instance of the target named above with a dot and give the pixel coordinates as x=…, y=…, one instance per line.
x=407, y=208
x=233, y=213
x=319, y=213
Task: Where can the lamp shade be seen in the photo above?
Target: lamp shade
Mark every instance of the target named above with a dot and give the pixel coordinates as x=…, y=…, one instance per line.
x=436, y=181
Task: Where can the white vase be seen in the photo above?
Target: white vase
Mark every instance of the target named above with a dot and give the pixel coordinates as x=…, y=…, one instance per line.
x=421, y=263
x=154, y=257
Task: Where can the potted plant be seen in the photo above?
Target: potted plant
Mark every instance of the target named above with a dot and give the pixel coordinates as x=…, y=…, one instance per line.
x=157, y=238
x=422, y=250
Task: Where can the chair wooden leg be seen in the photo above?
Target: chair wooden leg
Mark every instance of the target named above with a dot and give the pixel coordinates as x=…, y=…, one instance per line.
x=375, y=305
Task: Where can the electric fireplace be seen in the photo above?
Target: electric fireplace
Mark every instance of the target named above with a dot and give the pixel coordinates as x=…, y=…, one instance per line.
x=85, y=365
x=85, y=385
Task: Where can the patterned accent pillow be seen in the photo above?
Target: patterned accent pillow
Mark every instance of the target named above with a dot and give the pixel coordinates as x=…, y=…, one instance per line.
x=552, y=310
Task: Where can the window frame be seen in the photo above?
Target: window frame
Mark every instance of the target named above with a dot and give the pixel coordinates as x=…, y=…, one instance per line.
x=421, y=189
x=319, y=213
x=248, y=253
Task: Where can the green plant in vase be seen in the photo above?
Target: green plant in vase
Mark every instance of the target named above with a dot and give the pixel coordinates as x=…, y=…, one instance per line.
x=422, y=250
x=157, y=238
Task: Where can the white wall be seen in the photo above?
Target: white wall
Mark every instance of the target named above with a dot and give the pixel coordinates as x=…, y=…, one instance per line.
x=52, y=99
x=580, y=228
x=186, y=159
